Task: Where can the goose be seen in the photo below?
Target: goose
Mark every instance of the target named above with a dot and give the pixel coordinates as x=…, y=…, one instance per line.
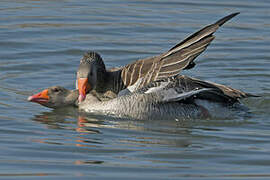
x=174, y=97
x=92, y=73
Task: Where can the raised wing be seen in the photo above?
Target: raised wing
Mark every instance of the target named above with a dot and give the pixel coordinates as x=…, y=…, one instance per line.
x=142, y=72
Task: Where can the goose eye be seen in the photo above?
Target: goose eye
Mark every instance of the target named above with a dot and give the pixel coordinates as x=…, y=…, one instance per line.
x=56, y=90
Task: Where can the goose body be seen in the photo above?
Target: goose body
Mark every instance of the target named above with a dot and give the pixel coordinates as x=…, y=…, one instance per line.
x=148, y=88
x=140, y=106
x=174, y=97
x=93, y=75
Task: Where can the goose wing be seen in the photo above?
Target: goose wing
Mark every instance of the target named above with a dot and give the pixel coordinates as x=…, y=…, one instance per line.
x=142, y=72
x=183, y=87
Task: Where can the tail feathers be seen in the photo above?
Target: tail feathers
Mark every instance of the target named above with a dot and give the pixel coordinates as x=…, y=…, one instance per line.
x=231, y=92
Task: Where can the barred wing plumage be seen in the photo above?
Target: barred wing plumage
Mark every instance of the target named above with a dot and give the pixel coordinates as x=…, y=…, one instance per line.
x=180, y=57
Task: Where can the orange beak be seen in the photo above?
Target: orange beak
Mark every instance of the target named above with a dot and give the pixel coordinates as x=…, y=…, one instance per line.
x=83, y=87
x=41, y=98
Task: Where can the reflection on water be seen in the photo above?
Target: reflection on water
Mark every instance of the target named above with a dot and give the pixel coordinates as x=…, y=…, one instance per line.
x=88, y=124
x=41, y=44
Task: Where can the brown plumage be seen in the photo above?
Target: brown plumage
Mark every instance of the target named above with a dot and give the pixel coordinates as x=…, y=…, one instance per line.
x=141, y=72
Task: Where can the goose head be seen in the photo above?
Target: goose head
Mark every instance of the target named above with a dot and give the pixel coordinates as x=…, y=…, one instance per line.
x=55, y=97
x=90, y=73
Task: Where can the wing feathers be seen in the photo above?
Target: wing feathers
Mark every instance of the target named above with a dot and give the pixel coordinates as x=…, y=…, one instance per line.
x=172, y=62
x=182, y=87
x=193, y=38
x=179, y=60
x=210, y=29
x=171, y=95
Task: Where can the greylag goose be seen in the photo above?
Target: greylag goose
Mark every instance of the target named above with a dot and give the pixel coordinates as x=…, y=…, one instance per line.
x=174, y=97
x=92, y=73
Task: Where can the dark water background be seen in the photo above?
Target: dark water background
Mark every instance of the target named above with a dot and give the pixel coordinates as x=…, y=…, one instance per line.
x=41, y=43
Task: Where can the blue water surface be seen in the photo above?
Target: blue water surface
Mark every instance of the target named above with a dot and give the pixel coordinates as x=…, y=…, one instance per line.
x=41, y=45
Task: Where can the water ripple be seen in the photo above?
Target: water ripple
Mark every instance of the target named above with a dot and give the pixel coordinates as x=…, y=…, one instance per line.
x=41, y=45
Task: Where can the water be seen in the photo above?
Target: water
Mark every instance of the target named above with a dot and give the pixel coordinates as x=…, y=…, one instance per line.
x=41, y=44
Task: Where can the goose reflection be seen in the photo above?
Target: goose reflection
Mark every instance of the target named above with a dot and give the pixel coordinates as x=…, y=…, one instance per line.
x=94, y=131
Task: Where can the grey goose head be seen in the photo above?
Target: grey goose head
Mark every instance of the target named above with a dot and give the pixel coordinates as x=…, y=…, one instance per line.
x=91, y=71
x=55, y=97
